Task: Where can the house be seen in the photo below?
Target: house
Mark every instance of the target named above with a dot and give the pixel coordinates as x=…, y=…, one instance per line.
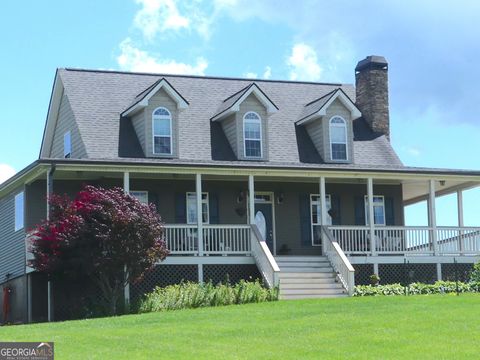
x=294, y=182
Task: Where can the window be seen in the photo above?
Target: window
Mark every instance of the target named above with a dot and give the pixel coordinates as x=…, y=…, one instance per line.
x=378, y=210
x=252, y=135
x=162, y=132
x=338, y=138
x=67, y=145
x=19, y=198
x=316, y=214
x=192, y=208
x=141, y=196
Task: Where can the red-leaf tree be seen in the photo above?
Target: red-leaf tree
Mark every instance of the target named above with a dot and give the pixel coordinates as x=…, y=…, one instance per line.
x=104, y=234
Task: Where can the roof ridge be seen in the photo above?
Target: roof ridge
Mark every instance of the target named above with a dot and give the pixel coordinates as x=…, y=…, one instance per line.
x=202, y=77
x=321, y=97
x=239, y=91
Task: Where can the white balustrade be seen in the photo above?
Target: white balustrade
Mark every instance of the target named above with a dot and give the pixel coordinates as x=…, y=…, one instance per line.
x=264, y=259
x=338, y=260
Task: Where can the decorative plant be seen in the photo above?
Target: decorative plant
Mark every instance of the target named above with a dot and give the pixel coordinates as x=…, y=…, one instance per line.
x=475, y=275
x=104, y=234
x=374, y=279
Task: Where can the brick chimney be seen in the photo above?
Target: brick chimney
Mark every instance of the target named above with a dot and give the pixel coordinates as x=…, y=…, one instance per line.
x=371, y=82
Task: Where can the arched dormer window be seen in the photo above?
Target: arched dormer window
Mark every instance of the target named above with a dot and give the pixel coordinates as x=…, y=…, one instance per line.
x=338, y=138
x=252, y=135
x=162, y=131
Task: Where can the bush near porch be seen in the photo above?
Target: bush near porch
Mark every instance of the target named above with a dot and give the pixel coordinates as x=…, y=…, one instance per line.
x=193, y=295
x=439, y=287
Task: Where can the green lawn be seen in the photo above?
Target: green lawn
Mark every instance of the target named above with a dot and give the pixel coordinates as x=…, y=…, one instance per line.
x=423, y=327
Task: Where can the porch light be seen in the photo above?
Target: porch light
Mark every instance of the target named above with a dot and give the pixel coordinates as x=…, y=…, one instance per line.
x=280, y=198
x=442, y=182
x=240, y=197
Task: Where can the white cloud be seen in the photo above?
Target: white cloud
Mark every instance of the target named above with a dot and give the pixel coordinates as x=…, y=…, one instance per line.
x=134, y=59
x=267, y=73
x=250, y=75
x=6, y=172
x=413, y=151
x=158, y=16
x=303, y=63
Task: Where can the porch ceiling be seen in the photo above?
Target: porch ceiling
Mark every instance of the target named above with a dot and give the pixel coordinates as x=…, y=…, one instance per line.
x=418, y=190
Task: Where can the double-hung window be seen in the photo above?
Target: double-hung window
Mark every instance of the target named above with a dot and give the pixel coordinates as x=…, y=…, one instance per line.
x=338, y=138
x=19, y=211
x=252, y=135
x=141, y=196
x=378, y=210
x=67, y=145
x=316, y=214
x=192, y=208
x=162, y=131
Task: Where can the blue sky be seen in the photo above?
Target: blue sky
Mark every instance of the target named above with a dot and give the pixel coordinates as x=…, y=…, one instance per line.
x=432, y=48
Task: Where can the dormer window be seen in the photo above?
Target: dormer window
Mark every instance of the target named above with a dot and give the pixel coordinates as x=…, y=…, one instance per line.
x=338, y=138
x=252, y=135
x=162, y=131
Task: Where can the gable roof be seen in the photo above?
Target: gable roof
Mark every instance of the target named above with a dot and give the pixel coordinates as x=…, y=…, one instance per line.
x=141, y=100
x=318, y=107
x=98, y=98
x=232, y=103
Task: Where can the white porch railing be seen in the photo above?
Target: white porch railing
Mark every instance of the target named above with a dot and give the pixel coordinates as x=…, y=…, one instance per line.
x=226, y=239
x=182, y=239
x=340, y=263
x=264, y=259
x=408, y=240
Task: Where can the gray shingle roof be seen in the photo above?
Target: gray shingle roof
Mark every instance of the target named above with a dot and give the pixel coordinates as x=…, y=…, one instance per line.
x=98, y=98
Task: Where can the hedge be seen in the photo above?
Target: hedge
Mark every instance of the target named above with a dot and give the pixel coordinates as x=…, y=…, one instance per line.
x=439, y=287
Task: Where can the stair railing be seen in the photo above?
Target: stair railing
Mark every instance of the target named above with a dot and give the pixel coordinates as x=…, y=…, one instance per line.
x=264, y=259
x=339, y=261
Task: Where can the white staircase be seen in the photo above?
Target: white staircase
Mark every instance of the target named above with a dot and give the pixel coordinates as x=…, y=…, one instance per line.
x=303, y=277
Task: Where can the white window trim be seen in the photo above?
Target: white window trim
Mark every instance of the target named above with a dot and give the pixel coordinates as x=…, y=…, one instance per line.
x=18, y=225
x=328, y=199
x=367, y=212
x=204, y=201
x=330, y=125
x=162, y=117
x=259, y=121
x=134, y=193
x=67, y=154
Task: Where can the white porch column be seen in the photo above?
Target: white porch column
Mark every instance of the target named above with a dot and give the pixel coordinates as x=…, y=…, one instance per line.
x=251, y=199
x=198, y=193
x=126, y=290
x=371, y=218
x=200, y=273
x=126, y=182
x=323, y=209
x=432, y=216
x=460, y=218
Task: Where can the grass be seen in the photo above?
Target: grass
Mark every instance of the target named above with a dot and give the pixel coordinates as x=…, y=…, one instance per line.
x=426, y=327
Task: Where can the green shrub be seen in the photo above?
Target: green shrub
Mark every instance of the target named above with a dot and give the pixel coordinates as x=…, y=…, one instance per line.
x=193, y=295
x=440, y=287
x=475, y=275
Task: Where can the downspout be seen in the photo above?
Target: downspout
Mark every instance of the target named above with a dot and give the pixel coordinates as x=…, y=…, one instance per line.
x=50, y=174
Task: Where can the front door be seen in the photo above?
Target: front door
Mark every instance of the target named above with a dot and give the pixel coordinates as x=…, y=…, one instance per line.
x=264, y=218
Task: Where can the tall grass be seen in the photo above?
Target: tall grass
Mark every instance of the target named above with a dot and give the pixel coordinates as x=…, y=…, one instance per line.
x=194, y=295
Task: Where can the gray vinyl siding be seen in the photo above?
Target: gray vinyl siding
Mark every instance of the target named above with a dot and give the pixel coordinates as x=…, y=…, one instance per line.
x=229, y=126
x=12, y=243
x=161, y=99
x=251, y=103
x=316, y=132
x=66, y=122
x=138, y=122
x=35, y=198
x=337, y=109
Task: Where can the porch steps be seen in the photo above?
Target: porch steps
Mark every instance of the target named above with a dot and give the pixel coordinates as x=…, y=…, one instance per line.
x=303, y=277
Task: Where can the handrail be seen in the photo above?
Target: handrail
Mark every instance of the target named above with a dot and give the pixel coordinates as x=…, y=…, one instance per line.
x=264, y=259
x=340, y=263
